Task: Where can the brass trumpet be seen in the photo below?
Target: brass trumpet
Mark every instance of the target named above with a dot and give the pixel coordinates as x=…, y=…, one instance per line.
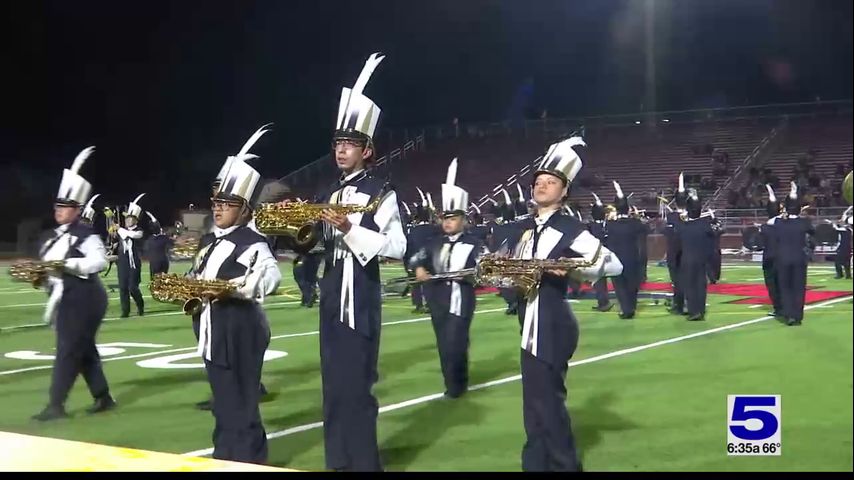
x=34, y=271
x=298, y=220
x=495, y=271
x=185, y=249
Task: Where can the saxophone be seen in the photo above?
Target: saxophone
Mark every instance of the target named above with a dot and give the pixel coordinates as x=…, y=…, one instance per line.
x=502, y=272
x=188, y=292
x=34, y=271
x=191, y=292
x=298, y=220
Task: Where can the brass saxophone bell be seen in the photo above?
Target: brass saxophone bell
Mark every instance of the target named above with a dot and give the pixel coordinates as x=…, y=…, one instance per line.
x=192, y=306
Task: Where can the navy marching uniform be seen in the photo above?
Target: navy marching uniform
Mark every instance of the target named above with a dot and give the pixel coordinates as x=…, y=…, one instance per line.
x=697, y=241
x=792, y=257
x=419, y=235
x=234, y=332
x=82, y=301
x=305, y=267
x=157, y=249
x=769, y=243
x=624, y=235
x=452, y=302
x=350, y=295
x=674, y=221
x=242, y=156
x=599, y=229
x=129, y=261
x=715, y=264
x=478, y=229
x=843, y=251
x=550, y=331
x=504, y=234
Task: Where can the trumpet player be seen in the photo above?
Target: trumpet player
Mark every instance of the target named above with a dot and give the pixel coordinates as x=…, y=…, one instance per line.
x=129, y=261
x=769, y=243
x=550, y=330
x=697, y=242
x=452, y=302
x=233, y=329
x=674, y=220
x=793, y=235
x=78, y=301
x=350, y=290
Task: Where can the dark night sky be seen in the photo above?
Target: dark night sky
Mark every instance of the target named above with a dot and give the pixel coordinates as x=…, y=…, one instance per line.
x=167, y=89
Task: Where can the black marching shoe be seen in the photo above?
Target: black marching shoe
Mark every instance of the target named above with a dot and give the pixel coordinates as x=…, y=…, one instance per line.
x=675, y=311
x=792, y=322
x=455, y=393
x=604, y=308
x=50, y=412
x=102, y=404
x=627, y=316
x=696, y=318
x=205, y=405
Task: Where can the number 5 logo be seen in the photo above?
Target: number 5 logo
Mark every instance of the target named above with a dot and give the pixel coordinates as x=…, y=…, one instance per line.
x=748, y=410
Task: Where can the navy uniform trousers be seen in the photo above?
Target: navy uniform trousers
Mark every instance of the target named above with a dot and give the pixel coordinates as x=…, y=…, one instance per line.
x=693, y=279
x=80, y=313
x=673, y=267
x=452, y=340
x=772, y=284
x=792, y=278
x=601, y=289
x=129, y=279
x=348, y=365
x=550, y=444
x=239, y=433
x=627, y=285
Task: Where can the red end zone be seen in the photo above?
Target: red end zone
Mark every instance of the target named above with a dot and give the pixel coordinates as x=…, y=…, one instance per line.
x=754, y=293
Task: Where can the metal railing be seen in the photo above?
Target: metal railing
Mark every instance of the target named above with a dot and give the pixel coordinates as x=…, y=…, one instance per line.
x=757, y=152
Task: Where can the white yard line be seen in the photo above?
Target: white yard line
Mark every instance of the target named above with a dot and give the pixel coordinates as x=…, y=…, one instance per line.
x=112, y=319
x=597, y=358
x=187, y=349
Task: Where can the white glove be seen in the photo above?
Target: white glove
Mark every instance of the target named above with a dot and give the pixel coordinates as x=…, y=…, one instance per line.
x=254, y=287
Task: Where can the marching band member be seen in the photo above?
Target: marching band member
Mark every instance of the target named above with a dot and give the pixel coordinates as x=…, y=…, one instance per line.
x=242, y=156
x=420, y=233
x=233, y=329
x=843, y=251
x=697, y=242
x=624, y=234
x=792, y=256
x=598, y=228
x=769, y=242
x=350, y=290
x=129, y=261
x=452, y=302
x=504, y=234
x=88, y=215
x=550, y=330
x=674, y=221
x=157, y=248
x=82, y=301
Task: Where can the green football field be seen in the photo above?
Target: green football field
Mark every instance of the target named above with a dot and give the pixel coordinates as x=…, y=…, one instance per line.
x=644, y=394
